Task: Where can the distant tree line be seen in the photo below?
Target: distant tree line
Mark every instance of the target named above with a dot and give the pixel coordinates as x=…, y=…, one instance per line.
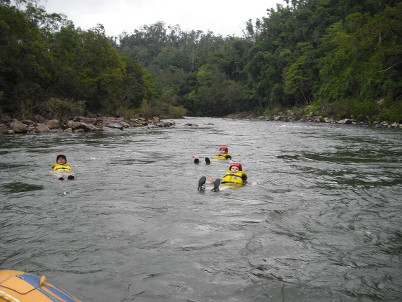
x=338, y=58
x=49, y=67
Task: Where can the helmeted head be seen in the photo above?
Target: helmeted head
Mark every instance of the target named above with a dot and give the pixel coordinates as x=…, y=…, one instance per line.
x=236, y=165
x=61, y=156
x=224, y=148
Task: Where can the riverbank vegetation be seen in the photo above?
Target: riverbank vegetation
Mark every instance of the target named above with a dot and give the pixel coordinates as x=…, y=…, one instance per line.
x=338, y=59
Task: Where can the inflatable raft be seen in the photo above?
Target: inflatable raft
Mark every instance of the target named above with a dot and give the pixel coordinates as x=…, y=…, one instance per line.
x=16, y=286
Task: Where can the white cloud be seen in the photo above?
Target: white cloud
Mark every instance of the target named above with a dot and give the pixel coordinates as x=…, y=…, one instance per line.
x=225, y=17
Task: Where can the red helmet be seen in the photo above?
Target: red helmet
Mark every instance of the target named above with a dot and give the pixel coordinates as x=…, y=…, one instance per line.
x=236, y=165
x=224, y=148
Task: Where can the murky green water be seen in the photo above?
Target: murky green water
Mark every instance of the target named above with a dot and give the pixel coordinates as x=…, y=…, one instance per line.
x=323, y=223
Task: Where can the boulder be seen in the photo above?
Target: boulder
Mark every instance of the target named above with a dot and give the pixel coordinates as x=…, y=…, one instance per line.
x=42, y=128
x=28, y=122
x=18, y=127
x=99, y=122
x=134, y=122
x=345, y=121
x=328, y=120
x=83, y=126
x=54, y=124
x=72, y=124
x=3, y=129
x=116, y=125
x=93, y=128
x=164, y=124
x=125, y=125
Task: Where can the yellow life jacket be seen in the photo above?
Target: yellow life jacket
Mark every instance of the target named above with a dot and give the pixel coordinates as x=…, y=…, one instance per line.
x=62, y=168
x=234, y=179
x=223, y=156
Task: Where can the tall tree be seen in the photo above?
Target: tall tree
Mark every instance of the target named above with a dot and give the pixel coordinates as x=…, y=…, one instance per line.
x=22, y=62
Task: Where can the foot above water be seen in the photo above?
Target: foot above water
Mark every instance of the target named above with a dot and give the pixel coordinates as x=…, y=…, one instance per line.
x=217, y=183
x=201, y=184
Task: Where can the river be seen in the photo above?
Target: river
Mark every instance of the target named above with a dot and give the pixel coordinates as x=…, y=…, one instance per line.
x=323, y=223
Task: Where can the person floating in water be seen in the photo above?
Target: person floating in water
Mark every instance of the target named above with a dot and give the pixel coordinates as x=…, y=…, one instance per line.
x=62, y=168
x=221, y=155
x=235, y=176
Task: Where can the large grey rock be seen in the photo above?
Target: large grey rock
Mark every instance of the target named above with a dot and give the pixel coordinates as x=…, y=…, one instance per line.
x=42, y=128
x=54, y=124
x=116, y=125
x=18, y=127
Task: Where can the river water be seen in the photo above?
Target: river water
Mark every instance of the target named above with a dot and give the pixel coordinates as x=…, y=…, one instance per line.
x=323, y=224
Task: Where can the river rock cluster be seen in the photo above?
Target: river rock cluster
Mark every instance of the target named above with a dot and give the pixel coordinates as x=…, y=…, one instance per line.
x=76, y=125
x=319, y=119
x=291, y=116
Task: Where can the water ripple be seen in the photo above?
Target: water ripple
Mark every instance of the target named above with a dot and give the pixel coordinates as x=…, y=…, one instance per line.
x=323, y=223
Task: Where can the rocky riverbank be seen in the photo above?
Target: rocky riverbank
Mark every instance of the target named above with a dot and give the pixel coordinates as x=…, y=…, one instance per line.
x=292, y=117
x=87, y=124
x=76, y=125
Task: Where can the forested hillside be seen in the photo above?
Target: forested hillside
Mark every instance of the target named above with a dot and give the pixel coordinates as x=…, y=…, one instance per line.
x=332, y=58
x=49, y=67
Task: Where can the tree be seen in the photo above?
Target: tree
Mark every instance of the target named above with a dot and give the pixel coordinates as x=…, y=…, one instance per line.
x=299, y=74
x=364, y=64
x=22, y=62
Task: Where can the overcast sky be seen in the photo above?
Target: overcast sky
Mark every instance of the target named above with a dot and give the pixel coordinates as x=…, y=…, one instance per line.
x=224, y=17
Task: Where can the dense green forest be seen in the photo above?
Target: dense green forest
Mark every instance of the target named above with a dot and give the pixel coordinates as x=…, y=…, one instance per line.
x=333, y=58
